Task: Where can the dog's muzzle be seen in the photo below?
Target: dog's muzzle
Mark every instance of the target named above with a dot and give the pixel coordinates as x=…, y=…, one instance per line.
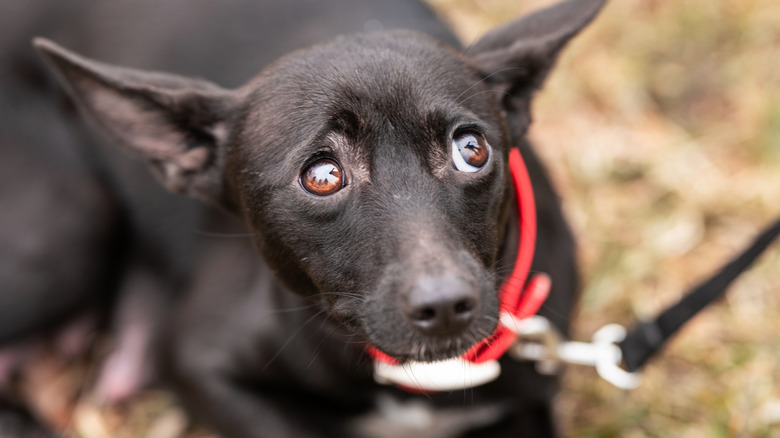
x=520, y=296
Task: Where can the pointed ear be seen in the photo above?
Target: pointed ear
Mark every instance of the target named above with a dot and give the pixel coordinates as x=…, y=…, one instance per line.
x=516, y=58
x=178, y=125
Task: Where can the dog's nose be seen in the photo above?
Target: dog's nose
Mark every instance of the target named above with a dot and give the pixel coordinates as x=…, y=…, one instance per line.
x=440, y=306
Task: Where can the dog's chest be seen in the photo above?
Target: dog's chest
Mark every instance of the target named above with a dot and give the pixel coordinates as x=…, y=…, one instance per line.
x=419, y=416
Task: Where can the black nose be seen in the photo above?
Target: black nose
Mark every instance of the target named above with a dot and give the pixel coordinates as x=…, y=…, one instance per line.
x=440, y=306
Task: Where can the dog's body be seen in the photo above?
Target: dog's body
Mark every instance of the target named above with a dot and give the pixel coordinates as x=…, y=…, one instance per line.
x=116, y=228
x=405, y=250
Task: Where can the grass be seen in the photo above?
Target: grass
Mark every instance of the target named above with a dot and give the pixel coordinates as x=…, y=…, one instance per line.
x=661, y=129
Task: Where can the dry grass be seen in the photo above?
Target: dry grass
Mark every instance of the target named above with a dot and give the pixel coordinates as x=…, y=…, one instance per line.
x=661, y=128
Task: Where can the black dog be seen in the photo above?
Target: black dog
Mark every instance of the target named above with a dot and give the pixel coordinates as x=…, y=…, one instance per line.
x=372, y=173
x=82, y=225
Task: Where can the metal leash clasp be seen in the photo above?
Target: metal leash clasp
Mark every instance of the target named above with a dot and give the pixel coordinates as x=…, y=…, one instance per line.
x=540, y=342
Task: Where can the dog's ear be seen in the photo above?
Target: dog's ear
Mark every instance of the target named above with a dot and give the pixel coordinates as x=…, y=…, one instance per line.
x=178, y=125
x=516, y=58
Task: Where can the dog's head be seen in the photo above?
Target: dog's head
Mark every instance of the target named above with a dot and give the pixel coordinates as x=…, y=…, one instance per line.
x=372, y=169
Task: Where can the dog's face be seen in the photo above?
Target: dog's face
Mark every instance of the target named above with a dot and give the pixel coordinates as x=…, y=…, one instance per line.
x=373, y=172
x=372, y=169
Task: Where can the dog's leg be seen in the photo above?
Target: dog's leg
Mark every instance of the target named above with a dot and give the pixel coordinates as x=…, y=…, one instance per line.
x=215, y=337
x=142, y=304
x=249, y=366
x=230, y=408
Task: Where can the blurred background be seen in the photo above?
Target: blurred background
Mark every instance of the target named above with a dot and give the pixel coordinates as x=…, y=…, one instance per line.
x=661, y=129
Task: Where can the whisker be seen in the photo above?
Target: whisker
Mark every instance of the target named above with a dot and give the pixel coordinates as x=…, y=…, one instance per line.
x=470, y=46
x=291, y=337
x=552, y=311
x=286, y=310
x=504, y=93
x=221, y=235
x=485, y=79
x=416, y=381
x=359, y=296
x=293, y=309
x=318, y=348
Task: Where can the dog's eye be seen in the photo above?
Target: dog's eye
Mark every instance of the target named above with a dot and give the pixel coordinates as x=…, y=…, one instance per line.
x=469, y=151
x=323, y=177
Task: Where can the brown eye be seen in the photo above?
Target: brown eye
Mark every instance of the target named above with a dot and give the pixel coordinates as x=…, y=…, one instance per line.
x=323, y=177
x=470, y=151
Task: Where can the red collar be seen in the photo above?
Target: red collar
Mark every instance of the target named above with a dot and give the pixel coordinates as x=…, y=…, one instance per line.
x=519, y=296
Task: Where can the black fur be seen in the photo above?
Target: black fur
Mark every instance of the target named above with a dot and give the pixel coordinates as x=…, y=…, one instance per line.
x=253, y=359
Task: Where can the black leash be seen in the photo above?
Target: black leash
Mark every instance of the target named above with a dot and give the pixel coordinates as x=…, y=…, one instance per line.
x=647, y=338
x=616, y=354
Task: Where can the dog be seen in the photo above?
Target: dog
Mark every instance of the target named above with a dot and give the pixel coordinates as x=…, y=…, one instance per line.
x=371, y=173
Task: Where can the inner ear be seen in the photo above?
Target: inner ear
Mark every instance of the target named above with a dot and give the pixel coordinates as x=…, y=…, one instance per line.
x=178, y=125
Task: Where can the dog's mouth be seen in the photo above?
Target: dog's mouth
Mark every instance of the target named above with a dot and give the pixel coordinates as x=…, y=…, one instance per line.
x=404, y=343
x=432, y=318
x=398, y=340
x=437, y=349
